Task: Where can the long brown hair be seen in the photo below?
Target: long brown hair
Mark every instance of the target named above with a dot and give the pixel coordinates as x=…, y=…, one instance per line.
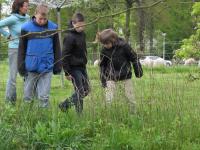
x=17, y=4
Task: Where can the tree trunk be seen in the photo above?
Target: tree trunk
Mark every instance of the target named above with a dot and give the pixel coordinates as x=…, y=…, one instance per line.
x=128, y=4
x=151, y=34
x=141, y=26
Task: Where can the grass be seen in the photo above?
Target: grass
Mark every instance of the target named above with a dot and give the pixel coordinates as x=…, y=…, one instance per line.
x=168, y=115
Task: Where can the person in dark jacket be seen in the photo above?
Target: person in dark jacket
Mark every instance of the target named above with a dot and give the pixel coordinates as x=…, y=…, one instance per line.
x=74, y=63
x=39, y=56
x=115, y=65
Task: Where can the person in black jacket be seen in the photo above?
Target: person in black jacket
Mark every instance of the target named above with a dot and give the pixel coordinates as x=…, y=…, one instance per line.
x=115, y=65
x=74, y=63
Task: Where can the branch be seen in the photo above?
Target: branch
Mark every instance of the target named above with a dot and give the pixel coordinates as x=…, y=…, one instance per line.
x=90, y=23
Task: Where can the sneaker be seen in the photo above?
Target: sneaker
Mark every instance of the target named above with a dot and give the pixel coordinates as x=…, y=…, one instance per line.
x=64, y=106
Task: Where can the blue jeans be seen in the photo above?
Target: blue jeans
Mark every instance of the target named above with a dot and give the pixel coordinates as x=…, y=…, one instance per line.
x=11, y=83
x=81, y=87
x=37, y=85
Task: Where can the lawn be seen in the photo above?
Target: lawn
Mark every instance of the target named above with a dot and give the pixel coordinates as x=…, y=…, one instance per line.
x=167, y=117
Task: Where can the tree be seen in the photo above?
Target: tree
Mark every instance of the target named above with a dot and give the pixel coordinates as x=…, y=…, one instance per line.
x=141, y=24
x=129, y=4
x=191, y=46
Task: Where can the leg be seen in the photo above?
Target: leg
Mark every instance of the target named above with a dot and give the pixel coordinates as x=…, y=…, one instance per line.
x=30, y=86
x=79, y=87
x=86, y=84
x=43, y=89
x=129, y=93
x=11, y=83
x=110, y=91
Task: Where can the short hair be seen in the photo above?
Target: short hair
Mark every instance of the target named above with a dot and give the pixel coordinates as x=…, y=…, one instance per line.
x=107, y=36
x=42, y=9
x=17, y=4
x=78, y=17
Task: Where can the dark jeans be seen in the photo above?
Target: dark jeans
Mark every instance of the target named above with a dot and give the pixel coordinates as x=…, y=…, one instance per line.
x=81, y=86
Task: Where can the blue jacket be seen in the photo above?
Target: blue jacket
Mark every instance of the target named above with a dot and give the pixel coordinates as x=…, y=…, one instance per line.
x=13, y=23
x=39, y=52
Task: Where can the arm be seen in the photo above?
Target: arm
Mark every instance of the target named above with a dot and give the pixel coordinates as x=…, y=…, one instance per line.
x=22, y=54
x=133, y=57
x=66, y=54
x=5, y=23
x=103, y=64
x=57, y=55
x=5, y=33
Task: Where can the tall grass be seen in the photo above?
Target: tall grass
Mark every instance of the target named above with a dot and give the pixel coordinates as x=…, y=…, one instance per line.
x=168, y=115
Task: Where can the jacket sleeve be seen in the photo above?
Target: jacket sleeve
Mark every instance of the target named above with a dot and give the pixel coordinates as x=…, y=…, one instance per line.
x=22, y=54
x=5, y=23
x=57, y=55
x=66, y=53
x=103, y=64
x=133, y=57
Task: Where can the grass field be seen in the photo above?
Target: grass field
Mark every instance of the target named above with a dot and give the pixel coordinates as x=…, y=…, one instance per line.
x=167, y=118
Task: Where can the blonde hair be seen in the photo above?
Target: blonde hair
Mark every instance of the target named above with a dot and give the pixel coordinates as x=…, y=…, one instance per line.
x=107, y=36
x=42, y=9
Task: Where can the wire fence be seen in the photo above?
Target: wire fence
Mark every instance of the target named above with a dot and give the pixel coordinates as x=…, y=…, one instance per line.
x=180, y=80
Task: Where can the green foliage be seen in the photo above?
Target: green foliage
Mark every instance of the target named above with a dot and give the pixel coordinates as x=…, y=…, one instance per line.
x=190, y=46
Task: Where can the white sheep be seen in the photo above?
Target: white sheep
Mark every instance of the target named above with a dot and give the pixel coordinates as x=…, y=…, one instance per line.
x=96, y=63
x=199, y=63
x=189, y=62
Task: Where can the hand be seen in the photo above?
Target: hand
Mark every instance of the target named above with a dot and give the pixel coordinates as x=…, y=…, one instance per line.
x=69, y=77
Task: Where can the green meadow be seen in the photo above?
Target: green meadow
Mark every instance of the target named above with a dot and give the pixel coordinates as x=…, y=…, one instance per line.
x=167, y=117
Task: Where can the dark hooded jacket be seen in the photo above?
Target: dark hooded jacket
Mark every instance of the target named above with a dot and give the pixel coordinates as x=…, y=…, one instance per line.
x=115, y=63
x=74, y=52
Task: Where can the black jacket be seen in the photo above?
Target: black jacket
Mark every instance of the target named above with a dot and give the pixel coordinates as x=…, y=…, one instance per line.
x=74, y=51
x=115, y=63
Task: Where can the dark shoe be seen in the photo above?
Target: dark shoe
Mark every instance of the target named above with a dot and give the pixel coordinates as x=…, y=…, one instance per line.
x=64, y=106
x=79, y=107
x=11, y=101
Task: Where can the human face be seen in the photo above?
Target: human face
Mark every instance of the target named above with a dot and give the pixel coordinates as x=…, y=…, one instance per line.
x=23, y=10
x=108, y=45
x=79, y=26
x=40, y=19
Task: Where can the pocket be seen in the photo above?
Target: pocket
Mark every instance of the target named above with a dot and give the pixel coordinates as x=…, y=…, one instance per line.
x=31, y=63
x=46, y=64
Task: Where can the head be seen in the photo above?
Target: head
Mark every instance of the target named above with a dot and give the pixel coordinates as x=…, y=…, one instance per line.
x=78, y=22
x=20, y=7
x=41, y=14
x=108, y=38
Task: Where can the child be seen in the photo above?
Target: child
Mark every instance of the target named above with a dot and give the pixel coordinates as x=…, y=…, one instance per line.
x=74, y=63
x=39, y=55
x=14, y=23
x=115, y=65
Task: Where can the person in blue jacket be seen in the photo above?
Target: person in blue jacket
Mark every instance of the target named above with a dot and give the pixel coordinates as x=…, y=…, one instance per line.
x=13, y=23
x=39, y=56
